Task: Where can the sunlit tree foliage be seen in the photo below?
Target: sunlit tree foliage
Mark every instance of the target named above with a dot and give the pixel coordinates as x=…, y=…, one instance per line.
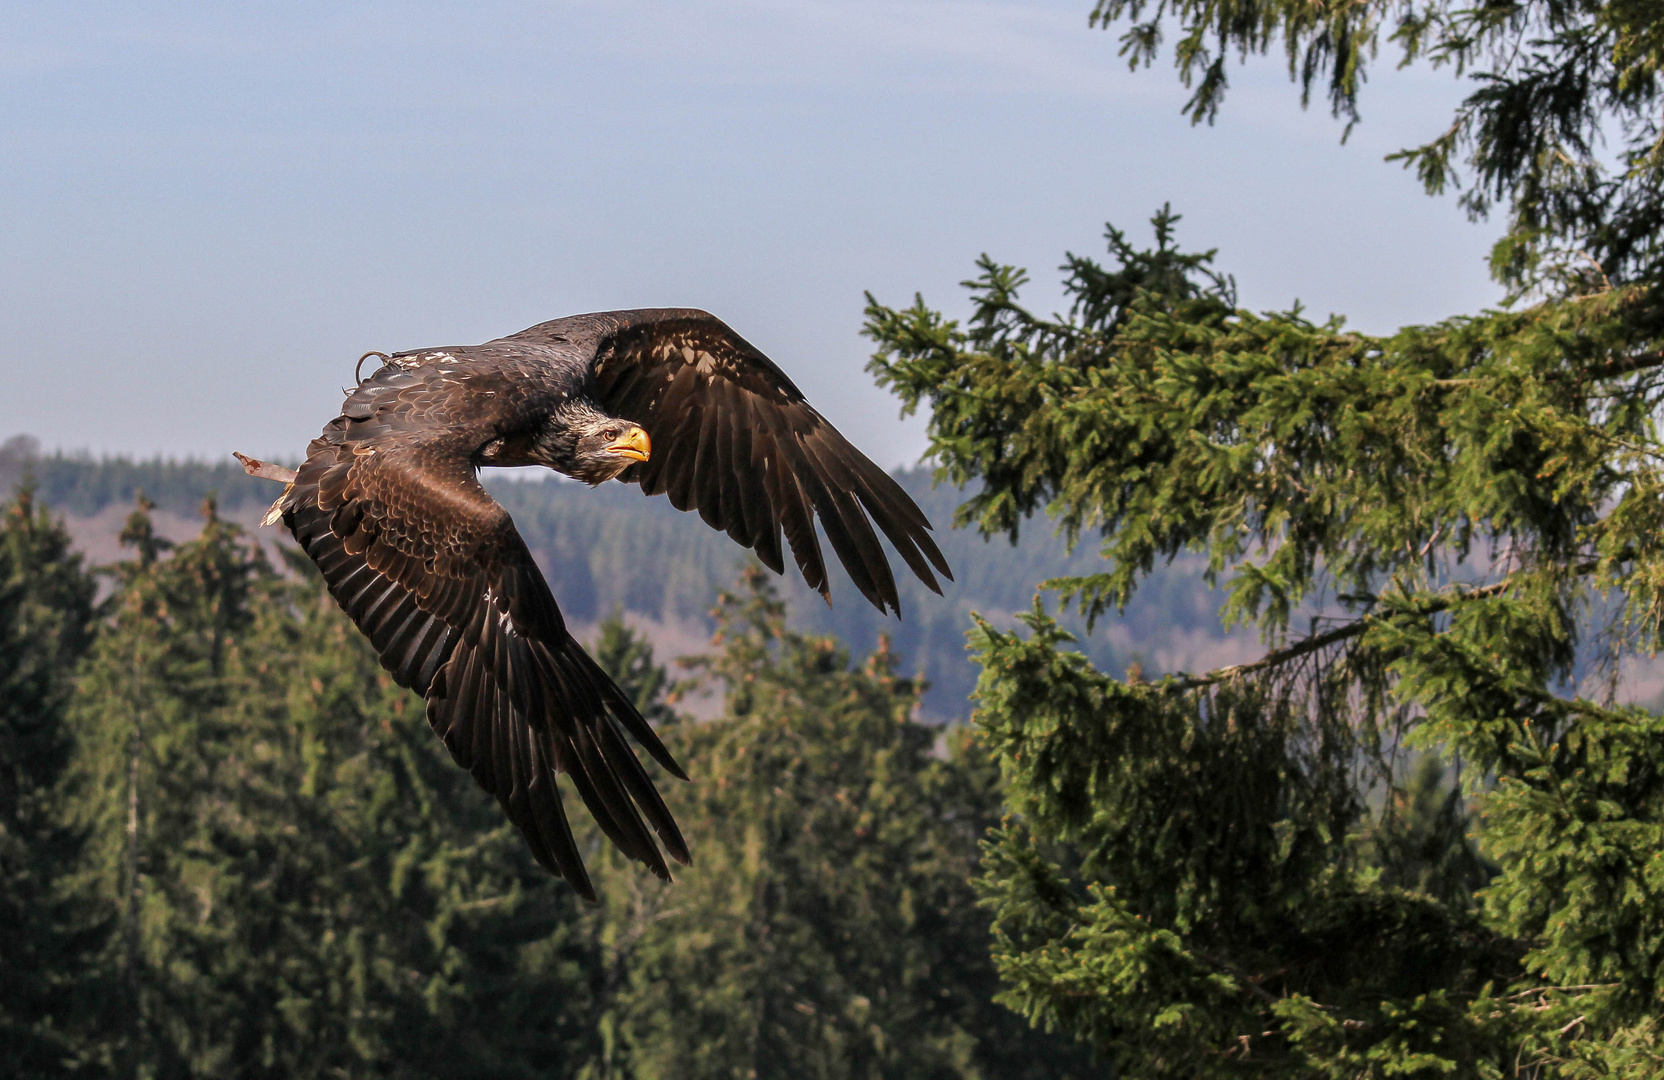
x=1449, y=539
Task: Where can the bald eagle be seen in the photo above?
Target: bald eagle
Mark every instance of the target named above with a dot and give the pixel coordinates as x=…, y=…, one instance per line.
x=432, y=570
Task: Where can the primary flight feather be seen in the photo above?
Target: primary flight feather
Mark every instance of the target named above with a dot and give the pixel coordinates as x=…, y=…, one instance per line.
x=432, y=570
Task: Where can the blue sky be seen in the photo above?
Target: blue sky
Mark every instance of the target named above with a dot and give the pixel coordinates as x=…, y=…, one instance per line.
x=210, y=210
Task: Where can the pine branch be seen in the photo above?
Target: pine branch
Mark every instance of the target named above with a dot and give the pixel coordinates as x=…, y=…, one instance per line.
x=1243, y=979
x=1625, y=365
x=1321, y=641
x=1611, y=369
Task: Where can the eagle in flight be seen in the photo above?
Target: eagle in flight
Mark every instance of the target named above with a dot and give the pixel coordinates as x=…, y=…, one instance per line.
x=432, y=570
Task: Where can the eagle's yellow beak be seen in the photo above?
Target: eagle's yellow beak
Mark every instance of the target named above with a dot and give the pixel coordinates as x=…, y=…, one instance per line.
x=633, y=444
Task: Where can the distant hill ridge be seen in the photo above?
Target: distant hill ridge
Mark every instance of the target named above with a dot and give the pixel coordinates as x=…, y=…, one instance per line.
x=608, y=548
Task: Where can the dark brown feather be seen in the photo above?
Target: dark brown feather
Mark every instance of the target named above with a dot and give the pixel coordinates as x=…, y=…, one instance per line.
x=772, y=465
x=436, y=577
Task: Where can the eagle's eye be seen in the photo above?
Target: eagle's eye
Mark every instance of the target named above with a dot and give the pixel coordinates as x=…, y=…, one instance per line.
x=610, y=432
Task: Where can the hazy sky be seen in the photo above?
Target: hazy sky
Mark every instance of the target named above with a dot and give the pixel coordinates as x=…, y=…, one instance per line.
x=208, y=211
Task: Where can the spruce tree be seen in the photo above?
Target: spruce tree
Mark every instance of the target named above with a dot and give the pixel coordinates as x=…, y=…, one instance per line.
x=1562, y=128
x=827, y=927
x=1448, y=538
x=309, y=887
x=51, y=927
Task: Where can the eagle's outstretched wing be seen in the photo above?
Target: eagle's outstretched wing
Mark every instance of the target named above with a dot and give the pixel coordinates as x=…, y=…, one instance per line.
x=434, y=573
x=734, y=439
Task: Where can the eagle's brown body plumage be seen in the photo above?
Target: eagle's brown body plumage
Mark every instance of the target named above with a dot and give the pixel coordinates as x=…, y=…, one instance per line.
x=432, y=570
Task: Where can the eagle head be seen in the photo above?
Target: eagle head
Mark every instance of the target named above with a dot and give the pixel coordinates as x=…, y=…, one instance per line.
x=586, y=444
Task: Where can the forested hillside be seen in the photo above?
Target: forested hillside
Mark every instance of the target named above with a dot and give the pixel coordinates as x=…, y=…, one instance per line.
x=607, y=549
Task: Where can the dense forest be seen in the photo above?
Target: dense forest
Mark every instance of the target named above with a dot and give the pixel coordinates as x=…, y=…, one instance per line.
x=234, y=848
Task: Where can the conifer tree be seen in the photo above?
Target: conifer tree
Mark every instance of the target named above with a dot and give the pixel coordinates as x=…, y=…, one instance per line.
x=313, y=891
x=1420, y=525
x=51, y=928
x=1448, y=538
x=1562, y=128
x=827, y=927
x=149, y=711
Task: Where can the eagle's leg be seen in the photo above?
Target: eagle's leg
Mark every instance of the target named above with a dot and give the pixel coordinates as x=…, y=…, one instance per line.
x=267, y=471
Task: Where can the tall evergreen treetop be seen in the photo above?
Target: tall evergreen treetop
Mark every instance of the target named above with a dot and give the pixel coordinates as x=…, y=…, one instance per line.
x=310, y=888
x=50, y=929
x=828, y=927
